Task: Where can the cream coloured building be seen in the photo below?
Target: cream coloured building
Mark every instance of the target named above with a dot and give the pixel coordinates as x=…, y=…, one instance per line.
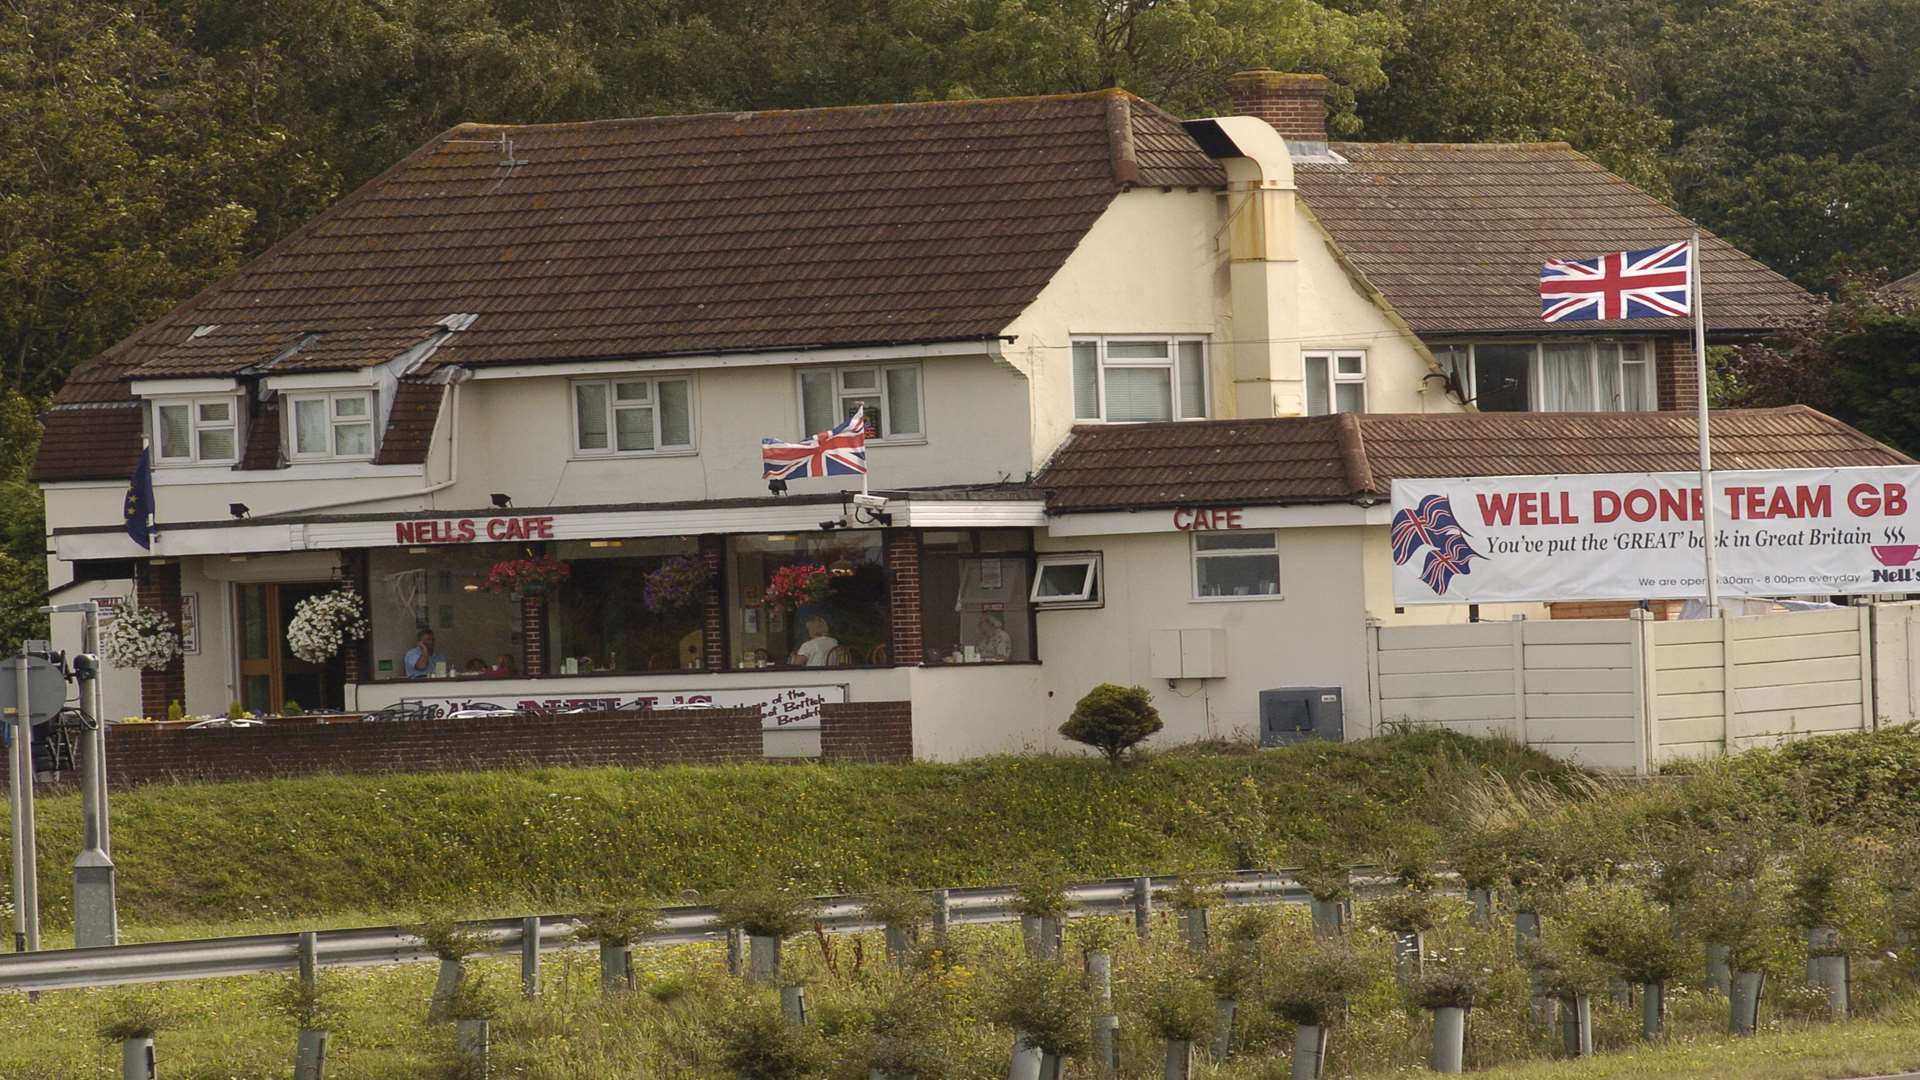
x=563, y=344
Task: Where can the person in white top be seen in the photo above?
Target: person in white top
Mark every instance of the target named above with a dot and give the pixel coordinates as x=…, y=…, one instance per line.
x=995, y=642
x=817, y=650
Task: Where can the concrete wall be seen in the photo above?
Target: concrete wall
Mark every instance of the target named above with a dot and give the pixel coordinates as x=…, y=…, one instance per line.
x=1896, y=663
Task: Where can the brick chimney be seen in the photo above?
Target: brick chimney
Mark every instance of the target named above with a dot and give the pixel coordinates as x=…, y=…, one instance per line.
x=1296, y=105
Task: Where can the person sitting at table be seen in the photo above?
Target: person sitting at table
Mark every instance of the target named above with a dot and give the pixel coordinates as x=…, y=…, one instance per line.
x=817, y=650
x=475, y=667
x=502, y=667
x=995, y=642
x=419, y=661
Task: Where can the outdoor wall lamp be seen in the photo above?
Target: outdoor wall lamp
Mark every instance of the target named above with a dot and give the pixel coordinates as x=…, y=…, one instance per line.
x=776, y=486
x=501, y=500
x=238, y=510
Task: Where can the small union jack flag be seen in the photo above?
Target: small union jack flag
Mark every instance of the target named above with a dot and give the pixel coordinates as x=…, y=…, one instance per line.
x=1646, y=284
x=1427, y=523
x=1452, y=556
x=840, y=452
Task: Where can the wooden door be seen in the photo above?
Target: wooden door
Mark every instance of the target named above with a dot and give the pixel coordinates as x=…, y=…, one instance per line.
x=270, y=675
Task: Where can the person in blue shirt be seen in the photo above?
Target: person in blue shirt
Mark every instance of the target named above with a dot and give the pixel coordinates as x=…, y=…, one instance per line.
x=419, y=661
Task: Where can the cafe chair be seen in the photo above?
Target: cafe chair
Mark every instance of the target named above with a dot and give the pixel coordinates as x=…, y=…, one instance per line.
x=877, y=656
x=840, y=656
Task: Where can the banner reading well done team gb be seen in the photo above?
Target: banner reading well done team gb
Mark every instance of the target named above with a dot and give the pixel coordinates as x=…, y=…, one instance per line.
x=1634, y=536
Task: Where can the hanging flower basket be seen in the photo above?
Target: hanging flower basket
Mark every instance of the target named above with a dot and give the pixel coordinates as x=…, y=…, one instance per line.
x=793, y=586
x=528, y=577
x=322, y=624
x=676, y=585
x=138, y=637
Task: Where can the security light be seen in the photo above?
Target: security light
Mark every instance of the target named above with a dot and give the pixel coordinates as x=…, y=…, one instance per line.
x=501, y=500
x=238, y=510
x=777, y=486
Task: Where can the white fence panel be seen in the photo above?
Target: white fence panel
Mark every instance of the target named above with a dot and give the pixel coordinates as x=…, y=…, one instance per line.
x=1896, y=662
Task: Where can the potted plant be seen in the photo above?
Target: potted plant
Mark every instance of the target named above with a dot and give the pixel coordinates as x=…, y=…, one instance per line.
x=1329, y=881
x=1737, y=905
x=615, y=928
x=675, y=585
x=527, y=577
x=1046, y=1005
x=1821, y=893
x=1192, y=897
x=452, y=943
x=1448, y=991
x=471, y=1008
x=130, y=1023
x=140, y=637
x=311, y=1007
x=796, y=586
x=1313, y=986
x=900, y=913
x=1640, y=941
x=766, y=914
x=1097, y=937
x=1041, y=901
x=1407, y=914
x=323, y=624
x=1181, y=1011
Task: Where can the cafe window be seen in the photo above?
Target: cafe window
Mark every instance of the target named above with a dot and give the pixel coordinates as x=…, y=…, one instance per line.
x=196, y=431
x=1133, y=379
x=973, y=596
x=890, y=393
x=1071, y=580
x=808, y=600
x=476, y=632
x=632, y=416
x=1236, y=565
x=1555, y=376
x=1336, y=382
x=627, y=606
x=336, y=426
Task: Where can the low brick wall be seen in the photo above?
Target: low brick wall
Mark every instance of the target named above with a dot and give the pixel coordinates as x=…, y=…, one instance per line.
x=877, y=731
x=144, y=753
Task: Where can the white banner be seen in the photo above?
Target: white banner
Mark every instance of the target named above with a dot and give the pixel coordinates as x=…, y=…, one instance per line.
x=782, y=708
x=1638, y=536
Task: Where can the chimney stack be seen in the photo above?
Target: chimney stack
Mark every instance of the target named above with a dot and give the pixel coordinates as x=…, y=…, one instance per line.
x=1296, y=105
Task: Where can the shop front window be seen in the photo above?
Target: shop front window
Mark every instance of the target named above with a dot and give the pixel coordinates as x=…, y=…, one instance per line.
x=973, y=596
x=812, y=601
x=628, y=606
x=433, y=616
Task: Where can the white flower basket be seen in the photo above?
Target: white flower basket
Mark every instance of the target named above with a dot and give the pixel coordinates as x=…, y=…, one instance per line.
x=322, y=624
x=138, y=637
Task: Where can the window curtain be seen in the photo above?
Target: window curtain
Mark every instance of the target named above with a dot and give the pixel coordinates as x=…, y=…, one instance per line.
x=1566, y=379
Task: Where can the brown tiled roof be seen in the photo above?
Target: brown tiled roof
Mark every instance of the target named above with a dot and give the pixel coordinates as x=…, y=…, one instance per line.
x=93, y=441
x=1453, y=235
x=881, y=224
x=416, y=408
x=1910, y=283
x=1339, y=458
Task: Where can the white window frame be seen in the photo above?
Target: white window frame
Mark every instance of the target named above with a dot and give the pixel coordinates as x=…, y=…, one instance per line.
x=1171, y=365
x=1090, y=594
x=334, y=421
x=195, y=426
x=843, y=396
x=612, y=407
x=1196, y=555
x=1337, y=379
x=1535, y=364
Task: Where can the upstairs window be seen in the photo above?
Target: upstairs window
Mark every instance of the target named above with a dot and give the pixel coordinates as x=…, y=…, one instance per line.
x=1067, y=580
x=1555, y=376
x=1336, y=382
x=890, y=392
x=1123, y=380
x=331, y=426
x=196, y=431
x=632, y=416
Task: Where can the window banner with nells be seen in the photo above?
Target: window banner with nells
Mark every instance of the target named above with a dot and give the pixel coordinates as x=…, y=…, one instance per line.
x=1638, y=536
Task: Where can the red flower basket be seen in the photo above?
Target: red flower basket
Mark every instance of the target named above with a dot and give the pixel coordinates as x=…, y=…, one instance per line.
x=793, y=586
x=527, y=576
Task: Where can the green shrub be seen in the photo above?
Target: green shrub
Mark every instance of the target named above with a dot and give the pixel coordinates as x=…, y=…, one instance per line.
x=310, y=1006
x=898, y=907
x=1180, y=1007
x=291, y=708
x=175, y=711
x=473, y=999
x=1042, y=894
x=622, y=922
x=1448, y=986
x=1324, y=872
x=1048, y=1004
x=445, y=938
x=1317, y=980
x=1194, y=892
x=235, y=710
x=132, y=1015
x=757, y=1043
x=765, y=910
x=1739, y=901
x=1634, y=938
x=1819, y=881
x=1406, y=911
x=1112, y=719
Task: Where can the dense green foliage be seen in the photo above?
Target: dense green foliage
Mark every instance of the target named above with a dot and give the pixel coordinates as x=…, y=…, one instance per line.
x=575, y=838
x=1112, y=719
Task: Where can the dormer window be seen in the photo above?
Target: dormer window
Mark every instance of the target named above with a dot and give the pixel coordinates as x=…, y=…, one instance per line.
x=333, y=426
x=196, y=431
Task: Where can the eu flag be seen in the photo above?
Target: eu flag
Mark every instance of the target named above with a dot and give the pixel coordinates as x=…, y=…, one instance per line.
x=139, y=506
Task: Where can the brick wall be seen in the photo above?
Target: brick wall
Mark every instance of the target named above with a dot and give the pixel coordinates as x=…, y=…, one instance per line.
x=142, y=754
x=903, y=565
x=1295, y=105
x=1674, y=374
x=533, y=635
x=876, y=731
x=157, y=585
x=357, y=656
x=713, y=618
x=1661, y=610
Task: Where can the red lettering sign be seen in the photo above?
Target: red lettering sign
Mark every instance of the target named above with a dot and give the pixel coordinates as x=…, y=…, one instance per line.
x=466, y=530
x=1199, y=519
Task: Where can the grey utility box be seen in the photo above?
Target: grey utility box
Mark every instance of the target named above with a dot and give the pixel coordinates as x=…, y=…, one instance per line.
x=1293, y=714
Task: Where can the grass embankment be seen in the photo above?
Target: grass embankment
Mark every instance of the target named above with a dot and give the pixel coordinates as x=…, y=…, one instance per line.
x=322, y=848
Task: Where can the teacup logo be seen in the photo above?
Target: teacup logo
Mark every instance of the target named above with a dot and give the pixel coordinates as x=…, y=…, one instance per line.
x=1896, y=551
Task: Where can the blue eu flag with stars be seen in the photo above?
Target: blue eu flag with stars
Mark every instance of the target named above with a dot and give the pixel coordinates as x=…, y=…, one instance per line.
x=139, y=506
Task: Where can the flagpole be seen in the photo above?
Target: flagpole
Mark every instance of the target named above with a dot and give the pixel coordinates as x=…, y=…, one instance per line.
x=1706, y=449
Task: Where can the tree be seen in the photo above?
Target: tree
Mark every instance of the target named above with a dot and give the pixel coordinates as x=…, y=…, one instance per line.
x=1112, y=719
x=23, y=560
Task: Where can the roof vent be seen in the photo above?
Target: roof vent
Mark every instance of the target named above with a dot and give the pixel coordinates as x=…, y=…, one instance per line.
x=203, y=330
x=456, y=322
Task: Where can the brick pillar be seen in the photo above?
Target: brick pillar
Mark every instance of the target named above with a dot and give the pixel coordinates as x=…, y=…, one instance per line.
x=157, y=585
x=533, y=635
x=713, y=606
x=357, y=656
x=1674, y=374
x=903, y=564
x=1295, y=104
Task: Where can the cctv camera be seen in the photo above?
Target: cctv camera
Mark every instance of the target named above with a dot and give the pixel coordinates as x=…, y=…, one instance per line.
x=829, y=526
x=873, y=502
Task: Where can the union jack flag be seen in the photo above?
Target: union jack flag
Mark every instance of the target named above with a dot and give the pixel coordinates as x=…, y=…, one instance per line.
x=1427, y=523
x=1646, y=284
x=1452, y=556
x=840, y=452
